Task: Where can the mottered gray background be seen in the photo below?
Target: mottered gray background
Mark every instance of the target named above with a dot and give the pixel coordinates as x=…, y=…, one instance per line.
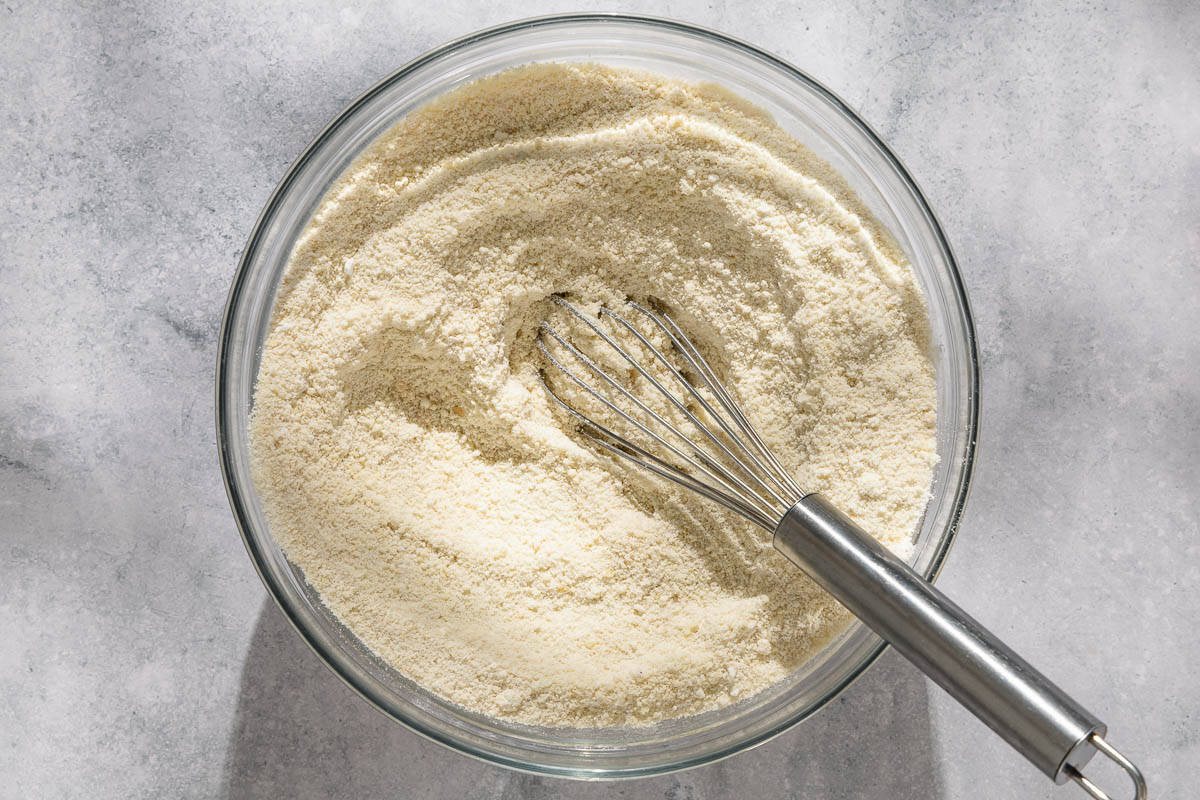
x=1059, y=144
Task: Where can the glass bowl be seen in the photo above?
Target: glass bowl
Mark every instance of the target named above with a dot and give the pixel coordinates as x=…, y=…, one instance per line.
x=809, y=112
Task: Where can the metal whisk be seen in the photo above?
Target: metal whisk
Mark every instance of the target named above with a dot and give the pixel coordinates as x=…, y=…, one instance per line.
x=687, y=427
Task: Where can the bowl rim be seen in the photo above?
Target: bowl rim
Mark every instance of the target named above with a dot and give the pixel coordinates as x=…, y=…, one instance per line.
x=238, y=504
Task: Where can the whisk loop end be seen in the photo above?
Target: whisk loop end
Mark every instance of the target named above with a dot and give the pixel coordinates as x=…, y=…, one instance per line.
x=717, y=454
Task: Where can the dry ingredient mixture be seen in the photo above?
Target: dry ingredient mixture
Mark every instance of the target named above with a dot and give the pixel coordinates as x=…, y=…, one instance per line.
x=411, y=463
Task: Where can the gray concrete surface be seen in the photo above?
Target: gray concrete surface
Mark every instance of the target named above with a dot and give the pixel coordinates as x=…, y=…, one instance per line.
x=139, y=656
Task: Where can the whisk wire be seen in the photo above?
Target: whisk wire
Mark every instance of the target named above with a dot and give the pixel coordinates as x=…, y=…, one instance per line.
x=680, y=406
x=782, y=480
x=722, y=394
x=707, y=465
x=631, y=451
x=753, y=484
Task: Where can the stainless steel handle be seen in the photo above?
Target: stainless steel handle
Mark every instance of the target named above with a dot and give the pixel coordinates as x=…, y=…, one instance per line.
x=1033, y=715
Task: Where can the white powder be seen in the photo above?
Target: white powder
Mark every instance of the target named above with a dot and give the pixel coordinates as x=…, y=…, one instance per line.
x=412, y=465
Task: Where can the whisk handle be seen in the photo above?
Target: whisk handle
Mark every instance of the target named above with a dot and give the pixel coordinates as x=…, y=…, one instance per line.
x=1033, y=715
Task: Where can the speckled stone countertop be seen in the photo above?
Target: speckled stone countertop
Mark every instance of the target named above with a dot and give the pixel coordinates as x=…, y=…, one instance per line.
x=140, y=656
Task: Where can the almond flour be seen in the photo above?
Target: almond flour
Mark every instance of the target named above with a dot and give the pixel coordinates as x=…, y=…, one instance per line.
x=411, y=464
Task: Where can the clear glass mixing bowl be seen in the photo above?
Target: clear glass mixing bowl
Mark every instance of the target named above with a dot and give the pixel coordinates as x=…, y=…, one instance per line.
x=807, y=110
